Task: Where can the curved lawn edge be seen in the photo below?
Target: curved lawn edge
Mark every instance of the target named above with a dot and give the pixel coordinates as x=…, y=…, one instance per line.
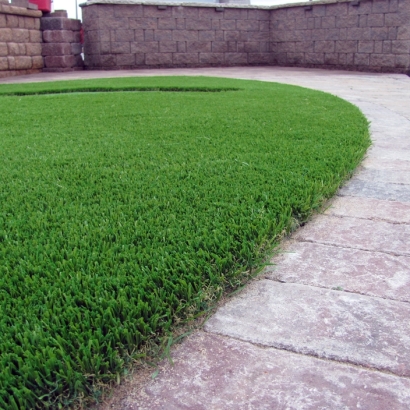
x=229, y=265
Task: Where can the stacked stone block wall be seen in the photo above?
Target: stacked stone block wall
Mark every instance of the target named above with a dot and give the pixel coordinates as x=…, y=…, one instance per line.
x=20, y=41
x=61, y=42
x=365, y=35
x=131, y=36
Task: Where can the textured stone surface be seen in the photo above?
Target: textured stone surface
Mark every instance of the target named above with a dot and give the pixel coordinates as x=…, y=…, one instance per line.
x=324, y=323
x=352, y=270
x=358, y=233
x=378, y=190
x=211, y=372
x=370, y=208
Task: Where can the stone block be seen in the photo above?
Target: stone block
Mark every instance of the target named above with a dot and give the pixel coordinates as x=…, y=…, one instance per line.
x=375, y=20
x=378, y=47
x=105, y=11
x=295, y=13
x=107, y=61
x=13, y=49
x=347, y=21
x=149, y=47
x=120, y=48
x=125, y=60
x=199, y=46
x=149, y=35
x=361, y=59
x=359, y=33
x=403, y=33
x=212, y=58
x=91, y=49
x=324, y=46
x=12, y=21
x=4, y=64
x=180, y=24
x=400, y=46
x=181, y=46
x=393, y=33
x=168, y=47
x=379, y=33
x=35, y=36
x=320, y=34
x=95, y=36
x=20, y=35
x=305, y=46
x=206, y=35
x=380, y=6
x=346, y=46
x=23, y=63
x=232, y=35
x=5, y=35
x=382, y=60
x=336, y=9
x=331, y=58
x=219, y=46
x=185, y=35
x=33, y=49
x=3, y=49
x=104, y=47
x=314, y=58
x=128, y=10
x=153, y=11
x=228, y=25
x=365, y=46
x=259, y=58
x=186, y=58
x=328, y=22
x=124, y=35
x=387, y=47
x=264, y=25
x=363, y=20
x=236, y=58
x=163, y=35
x=332, y=34
x=311, y=23
x=56, y=23
x=235, y=14
x=261, y=36
x=30, y=23
x=198, y=24
x=296, y=58
x=166, y=23
x=63, y=36
x=394, y=6
x=59, y=61
x=56, y=49
x=402, y=61
x=301, y=24
x=251, y=47
x=247, y=25
x=3, y=22
x=164, y=59
x=219, y=35
x=116, y=23
x=261, y=15
x=392, y=19
x=142, y=23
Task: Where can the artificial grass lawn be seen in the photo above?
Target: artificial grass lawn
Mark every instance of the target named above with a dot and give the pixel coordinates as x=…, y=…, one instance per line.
x=124, y=212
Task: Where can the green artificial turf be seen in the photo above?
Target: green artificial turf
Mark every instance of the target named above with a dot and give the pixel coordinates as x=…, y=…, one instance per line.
x=124, y=212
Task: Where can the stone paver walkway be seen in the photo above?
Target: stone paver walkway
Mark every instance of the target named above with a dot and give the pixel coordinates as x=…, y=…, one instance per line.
x=328, y=326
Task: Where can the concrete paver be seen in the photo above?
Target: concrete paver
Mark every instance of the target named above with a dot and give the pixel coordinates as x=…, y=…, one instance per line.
x=319, y=322
x=361, y=245
x=352, y=270
x=219, y=373
x=358, y=233
x=370, y=208
x=377, y=190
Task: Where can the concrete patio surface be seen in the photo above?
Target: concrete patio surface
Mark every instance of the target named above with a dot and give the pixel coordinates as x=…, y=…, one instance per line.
x=328, y=325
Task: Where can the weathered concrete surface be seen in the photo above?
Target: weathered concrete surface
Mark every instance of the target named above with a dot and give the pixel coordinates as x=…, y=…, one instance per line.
x=352, y=270
x=377, y=190
x=217, y=373
x=341, y=326
x=369, y=208
x=358, y=233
